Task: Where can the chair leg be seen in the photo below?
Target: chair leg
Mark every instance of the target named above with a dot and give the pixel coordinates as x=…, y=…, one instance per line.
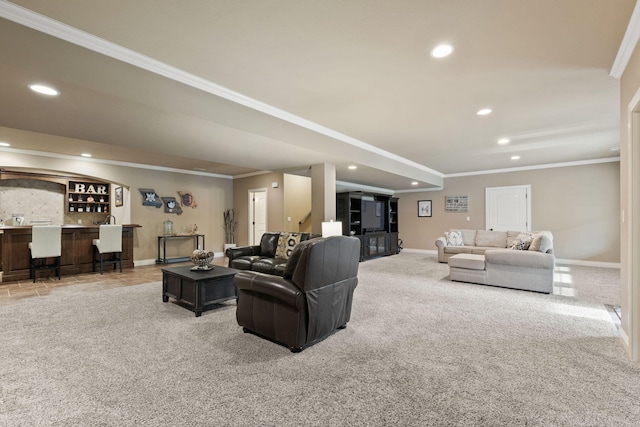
x=58, y=266
x=93, y=261
x=32, y=270
x=101, y=263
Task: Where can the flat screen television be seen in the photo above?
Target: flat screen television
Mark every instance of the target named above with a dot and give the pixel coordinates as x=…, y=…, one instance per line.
x=372, y=216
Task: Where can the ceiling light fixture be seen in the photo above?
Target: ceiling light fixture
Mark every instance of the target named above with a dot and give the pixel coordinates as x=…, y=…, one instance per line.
x=4, y=144
x=352, y=167
x=484, y=112
x=44, y=90
x=85, y=155
x=515, y=157
x=414, y=183
x=503, y=141
x=442, y=51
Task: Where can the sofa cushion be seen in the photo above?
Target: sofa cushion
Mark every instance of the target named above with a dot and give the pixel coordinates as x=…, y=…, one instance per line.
x=492, y=239
x=519, y=259
x=458, y=249
x=468, y=261
x=269, y=244
x=454, y=238
x=286, y=243
x=268, y=265
x=523, y=241
x=468, y=237
x=244, y=262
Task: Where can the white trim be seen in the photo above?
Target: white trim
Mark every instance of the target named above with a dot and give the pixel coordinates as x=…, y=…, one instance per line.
x=587, y=263
x=361, y=187
x=534, y=167
x=142, y=262
x=419, y=190
x=81, y=38
x=629, y=41
x=113, y=162
x=421, y=251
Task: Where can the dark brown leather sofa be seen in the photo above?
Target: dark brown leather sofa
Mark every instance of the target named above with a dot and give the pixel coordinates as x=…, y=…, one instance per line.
x=312, y=300
x=264, y=257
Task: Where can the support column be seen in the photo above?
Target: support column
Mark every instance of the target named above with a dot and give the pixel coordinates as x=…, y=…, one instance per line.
x=323, y=195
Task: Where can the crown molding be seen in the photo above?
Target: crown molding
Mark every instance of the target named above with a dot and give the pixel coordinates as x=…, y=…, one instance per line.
x=629, y=42
x=46, y=25
x=112, y=162
x=535, y=167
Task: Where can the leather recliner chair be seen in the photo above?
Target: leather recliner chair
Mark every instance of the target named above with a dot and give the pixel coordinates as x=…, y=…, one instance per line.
x=310, y=301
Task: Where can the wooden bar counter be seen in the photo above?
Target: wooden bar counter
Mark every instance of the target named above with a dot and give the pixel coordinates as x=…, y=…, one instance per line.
x=77, y=250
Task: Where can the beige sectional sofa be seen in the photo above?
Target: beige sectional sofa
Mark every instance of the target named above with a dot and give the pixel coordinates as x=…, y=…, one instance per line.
x=479, y=241
x=500, y=258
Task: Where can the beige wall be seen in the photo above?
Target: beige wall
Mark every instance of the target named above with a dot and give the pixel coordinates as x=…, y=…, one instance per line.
x=213, y=196
x=297, y=202
x=629, y=86
x=578, y=204
x=275, y=203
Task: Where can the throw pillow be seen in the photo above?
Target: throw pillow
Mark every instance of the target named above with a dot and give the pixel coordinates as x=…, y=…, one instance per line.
x=286, y=243
x=522, y=241
x=454, y=238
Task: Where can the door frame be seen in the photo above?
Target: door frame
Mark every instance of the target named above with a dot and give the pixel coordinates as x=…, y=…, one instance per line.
x=251, y=221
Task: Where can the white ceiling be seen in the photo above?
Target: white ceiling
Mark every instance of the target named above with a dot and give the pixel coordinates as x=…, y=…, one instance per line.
x=237, y=87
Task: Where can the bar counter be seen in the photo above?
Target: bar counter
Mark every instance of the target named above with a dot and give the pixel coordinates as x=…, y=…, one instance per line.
x=77, y=250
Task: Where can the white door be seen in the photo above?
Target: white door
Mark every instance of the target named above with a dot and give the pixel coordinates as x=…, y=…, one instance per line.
x=508, y=208
x=257, y=215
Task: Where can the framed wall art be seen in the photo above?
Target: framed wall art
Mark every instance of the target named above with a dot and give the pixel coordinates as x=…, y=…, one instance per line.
x=424, y=208
x=119, y=201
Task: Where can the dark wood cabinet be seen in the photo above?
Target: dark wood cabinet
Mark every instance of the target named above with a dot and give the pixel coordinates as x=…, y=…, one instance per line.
x=373, y=218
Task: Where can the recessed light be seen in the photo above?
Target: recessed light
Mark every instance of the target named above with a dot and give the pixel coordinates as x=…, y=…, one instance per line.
x=515, y=157
x=85, y=155
x=44, y=90
x=414, y=183
x=4, y=144
x=352, y=167
x=484, y=112
x=503, y=141
x=615, y=149
x=441, y=51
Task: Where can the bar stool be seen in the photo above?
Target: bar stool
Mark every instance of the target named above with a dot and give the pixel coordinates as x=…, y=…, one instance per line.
x=46, y=242
x=108, y=241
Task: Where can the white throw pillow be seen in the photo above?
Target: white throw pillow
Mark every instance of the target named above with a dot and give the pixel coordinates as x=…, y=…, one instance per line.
x=454, y=238
x=522, y=241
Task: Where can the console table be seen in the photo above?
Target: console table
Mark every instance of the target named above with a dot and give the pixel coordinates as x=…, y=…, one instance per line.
x=162, y=243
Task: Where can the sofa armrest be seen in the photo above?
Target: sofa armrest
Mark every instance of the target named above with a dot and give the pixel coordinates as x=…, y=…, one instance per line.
x=441, y=242
x=233, y=253
x=273, y=286
x=516, y=258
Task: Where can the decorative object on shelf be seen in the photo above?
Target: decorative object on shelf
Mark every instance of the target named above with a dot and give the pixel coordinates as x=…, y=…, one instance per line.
x=424, y=208
x=456, y=204
x=168, y=228
x=187, y=200
x=202, y=259
x=171, y=205
x=150, y=197
x=229, y=227
x=119, y=196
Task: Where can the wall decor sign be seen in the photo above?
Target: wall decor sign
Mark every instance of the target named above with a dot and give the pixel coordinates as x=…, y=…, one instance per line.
x=456, y=204
x=171, y=205
x=424, y=208
x=187, y=200
x=150, y=197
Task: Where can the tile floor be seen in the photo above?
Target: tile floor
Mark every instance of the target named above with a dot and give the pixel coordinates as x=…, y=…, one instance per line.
x=14, y=291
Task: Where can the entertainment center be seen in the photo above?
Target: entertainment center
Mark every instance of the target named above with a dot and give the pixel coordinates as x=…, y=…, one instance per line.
x=373, y=218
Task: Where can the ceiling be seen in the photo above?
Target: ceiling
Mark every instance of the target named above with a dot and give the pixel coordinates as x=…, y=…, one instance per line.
x=239, y=87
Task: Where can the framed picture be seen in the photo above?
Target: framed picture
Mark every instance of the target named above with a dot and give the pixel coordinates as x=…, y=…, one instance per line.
x=119, y=200
x=424, y=208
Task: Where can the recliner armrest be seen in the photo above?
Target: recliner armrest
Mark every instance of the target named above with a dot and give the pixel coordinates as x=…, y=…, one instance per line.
x=274, y=286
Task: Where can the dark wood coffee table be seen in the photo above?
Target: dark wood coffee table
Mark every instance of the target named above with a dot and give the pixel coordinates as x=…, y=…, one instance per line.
x=198, y=290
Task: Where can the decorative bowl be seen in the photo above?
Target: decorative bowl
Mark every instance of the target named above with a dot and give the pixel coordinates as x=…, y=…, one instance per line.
x=202, y=259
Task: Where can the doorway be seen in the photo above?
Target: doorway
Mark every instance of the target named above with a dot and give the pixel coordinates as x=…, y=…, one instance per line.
x=257, y=215
x=508, y=208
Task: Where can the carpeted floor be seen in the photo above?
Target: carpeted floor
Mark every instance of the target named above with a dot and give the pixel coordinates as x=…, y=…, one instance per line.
x=419, y=351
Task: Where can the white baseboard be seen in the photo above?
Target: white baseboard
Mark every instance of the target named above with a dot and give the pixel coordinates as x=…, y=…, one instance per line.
x=558, y=260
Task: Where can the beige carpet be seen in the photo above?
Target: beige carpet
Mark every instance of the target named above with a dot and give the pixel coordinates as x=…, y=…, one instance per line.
x=420, y=350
